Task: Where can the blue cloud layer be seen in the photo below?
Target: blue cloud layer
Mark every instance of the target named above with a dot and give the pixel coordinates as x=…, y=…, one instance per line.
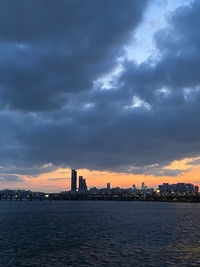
x=53, y=111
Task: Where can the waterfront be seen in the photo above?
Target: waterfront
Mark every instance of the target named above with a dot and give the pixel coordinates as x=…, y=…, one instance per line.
x=81, y=233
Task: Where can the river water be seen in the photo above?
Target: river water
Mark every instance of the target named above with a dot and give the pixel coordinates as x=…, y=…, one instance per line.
x=99, y=233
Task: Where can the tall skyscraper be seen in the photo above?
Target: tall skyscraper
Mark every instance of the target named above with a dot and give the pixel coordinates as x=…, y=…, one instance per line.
x=80, y=187
x=108, y=186
x=73, y=180
x=82, y=184
x=143, y=185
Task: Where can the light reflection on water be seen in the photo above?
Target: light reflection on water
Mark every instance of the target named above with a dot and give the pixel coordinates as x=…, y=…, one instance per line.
x=81, y=233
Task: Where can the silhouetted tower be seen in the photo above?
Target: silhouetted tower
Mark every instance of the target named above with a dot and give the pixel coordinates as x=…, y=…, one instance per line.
x=80, y=187
x=73, y=180
x=143, y=185
x=108, y=186
x=82, y=184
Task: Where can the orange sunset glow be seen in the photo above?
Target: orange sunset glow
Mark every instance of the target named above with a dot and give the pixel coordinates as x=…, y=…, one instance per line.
x=59, y=180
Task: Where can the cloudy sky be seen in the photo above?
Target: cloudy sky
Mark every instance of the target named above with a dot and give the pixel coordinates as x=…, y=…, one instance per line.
x=109, y=87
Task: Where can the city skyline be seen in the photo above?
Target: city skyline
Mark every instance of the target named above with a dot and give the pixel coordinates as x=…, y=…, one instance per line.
x=93, y=181
x=80, y=185
x=59, y=180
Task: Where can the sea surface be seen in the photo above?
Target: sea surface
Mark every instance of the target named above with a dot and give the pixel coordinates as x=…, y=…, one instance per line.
x=99, y=233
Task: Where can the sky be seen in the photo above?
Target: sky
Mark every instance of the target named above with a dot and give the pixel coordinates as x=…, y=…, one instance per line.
x=110, y=88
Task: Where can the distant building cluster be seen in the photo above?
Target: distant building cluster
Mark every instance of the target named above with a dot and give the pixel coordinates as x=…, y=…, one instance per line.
x=82, y=187
x=181, y=192
x=82, y=183
x=163, y=190
x=178, y=188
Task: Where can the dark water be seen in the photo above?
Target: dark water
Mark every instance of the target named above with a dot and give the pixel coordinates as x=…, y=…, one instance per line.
x=99, y=234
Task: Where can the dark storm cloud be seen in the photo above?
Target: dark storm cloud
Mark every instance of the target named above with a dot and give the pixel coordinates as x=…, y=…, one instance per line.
x=155, y=170
x=49, y=49
x=54, y=111
x=10, y=178
x=164, y=172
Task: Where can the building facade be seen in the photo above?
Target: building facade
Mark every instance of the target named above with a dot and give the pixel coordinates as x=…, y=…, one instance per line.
x=74, y=181
x=82, y=184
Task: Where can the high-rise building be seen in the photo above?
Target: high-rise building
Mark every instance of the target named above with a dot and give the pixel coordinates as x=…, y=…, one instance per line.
x=82, y=184
x=73, y=180
x=134, y=187
x=108, y=186
x=143, y=185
